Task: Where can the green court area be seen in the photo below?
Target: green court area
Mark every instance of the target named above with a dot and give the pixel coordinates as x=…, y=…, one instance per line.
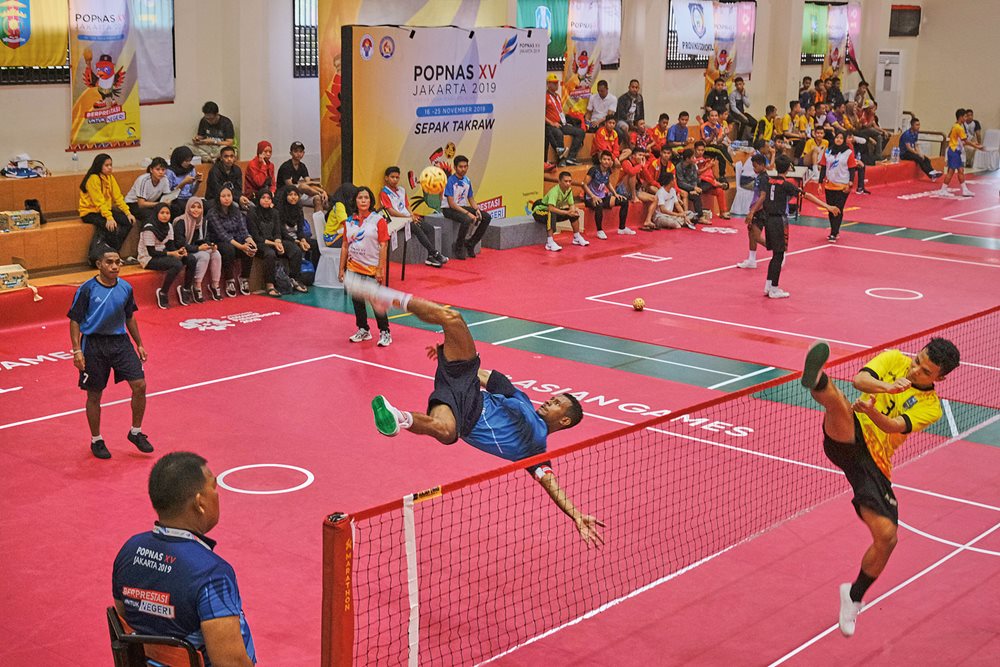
x=902, y=232
x=655, y=361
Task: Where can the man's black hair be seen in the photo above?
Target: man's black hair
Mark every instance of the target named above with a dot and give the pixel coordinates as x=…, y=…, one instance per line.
x=683, y=114
x=391, y=170
x=174, y=481
x=770, y=108
x=914, y=120
x=959, y=113
x=758, y=158
x=666, y=178
x=227, y=149
x=738, y=79
x=210, y=107
x=564, y=173
x=156, y=162
x=782, y=163
x=459, y=159
x=664, y=116
x=602, y=82
x=687, y=154
x=943, y=352
x=574, y=411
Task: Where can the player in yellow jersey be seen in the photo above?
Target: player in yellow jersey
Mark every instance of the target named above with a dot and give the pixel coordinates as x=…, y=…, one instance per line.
x=897, y=399
x=955, y=155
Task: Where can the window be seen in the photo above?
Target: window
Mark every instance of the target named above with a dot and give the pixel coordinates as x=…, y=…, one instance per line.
x=21, y=76
x=305, y=41
x=677, y=60
x=814, y=58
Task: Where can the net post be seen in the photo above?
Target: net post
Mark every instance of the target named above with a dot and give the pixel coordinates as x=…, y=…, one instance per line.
x=338, y=602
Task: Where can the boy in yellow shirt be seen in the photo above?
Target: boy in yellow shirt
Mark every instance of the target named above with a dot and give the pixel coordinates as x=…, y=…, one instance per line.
x=955, y=155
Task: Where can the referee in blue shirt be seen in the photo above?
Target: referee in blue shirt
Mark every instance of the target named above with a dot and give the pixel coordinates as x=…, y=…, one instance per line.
x=103, y=311
x=479, y=406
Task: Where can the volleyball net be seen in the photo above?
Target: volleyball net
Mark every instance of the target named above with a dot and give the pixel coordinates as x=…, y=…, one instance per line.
x=471, y=570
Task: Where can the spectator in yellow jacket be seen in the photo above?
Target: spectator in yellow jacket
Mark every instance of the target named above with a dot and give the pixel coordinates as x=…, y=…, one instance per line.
x=102, y=205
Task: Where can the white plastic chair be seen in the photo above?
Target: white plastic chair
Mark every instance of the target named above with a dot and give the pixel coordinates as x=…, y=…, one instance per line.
x=328, y=269
x=744, y=197
x=989, y=157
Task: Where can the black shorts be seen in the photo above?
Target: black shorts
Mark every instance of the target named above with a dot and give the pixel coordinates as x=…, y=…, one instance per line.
x=102, y=354
x=758, y=220
x=872, y=489
x=776, y=233
x=456, y=384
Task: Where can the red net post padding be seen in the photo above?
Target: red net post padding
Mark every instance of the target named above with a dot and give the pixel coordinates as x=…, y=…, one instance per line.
x=338, y=604
x=481, y=566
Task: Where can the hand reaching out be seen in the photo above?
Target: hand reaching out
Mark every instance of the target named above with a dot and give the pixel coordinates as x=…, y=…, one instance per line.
x=587, y=527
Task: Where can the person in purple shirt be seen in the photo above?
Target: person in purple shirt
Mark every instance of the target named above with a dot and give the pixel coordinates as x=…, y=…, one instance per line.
x=481, y=407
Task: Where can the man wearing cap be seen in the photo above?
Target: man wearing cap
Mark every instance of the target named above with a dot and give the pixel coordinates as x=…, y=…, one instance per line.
x=556, y=125
x=294, y=173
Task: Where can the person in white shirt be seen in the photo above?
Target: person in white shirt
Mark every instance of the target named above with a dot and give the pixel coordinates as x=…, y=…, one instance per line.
x=668, y=212
x=147, y=190
x=393, y=200
x=600, y=106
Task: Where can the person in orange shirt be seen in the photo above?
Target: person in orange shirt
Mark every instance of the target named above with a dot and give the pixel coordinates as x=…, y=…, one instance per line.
x=606, y=139
x=556, y=126
x=658, y=133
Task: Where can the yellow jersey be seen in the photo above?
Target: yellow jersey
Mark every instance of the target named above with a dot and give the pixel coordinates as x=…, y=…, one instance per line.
x=785, y=124
x=811, y=145
x=957, y=137
x=918, y=407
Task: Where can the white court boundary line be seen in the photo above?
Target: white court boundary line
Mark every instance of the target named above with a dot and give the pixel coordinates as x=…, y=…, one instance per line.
x=639, y=356
x=941, y=540
x=895, y=589
x=958, y=217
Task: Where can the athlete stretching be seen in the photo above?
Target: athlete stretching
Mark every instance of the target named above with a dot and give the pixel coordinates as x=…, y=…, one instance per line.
x=897, y=399
x=479, y=406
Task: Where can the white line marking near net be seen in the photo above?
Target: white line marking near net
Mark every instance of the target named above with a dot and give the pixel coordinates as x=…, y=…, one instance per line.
x=930, y=568
x=959, y=217
x=936, y=236
x=637, y=356
x=950, y=543
x=529, y=335
x=492, y=319
x=891, y=231
x=949, y=416
x=742, y=377
x=908, y=254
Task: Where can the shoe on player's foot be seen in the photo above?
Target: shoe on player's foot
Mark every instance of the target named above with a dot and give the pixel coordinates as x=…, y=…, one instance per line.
x=579, y=240
x=601, y=235
x=100, y=450
x=832, y=238
x=552, y=245
x=966, y=192
x=625, y=231
x=387, y=417
x=384, y=339
x=141, y=442
x=161, y=299
x=777, y=293
x=360, y=336
x=812, y=367
x=747, y=264
x=849, y=610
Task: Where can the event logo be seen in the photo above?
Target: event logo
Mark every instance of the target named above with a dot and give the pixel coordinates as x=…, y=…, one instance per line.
x=387, y=47
x=15, y=22
x=508, y=48
x=108, y=83
x=367, y=46
x=227, y=321
x=697, y=18
x=543, y=19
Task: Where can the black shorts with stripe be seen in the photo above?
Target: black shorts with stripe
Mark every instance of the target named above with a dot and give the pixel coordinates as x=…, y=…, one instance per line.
x=103, y=354
x=872, y=489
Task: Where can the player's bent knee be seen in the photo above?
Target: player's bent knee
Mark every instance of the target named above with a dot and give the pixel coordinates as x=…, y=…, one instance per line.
x=138, y=386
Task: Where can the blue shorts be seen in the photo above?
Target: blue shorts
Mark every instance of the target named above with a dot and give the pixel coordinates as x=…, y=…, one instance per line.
x=456, y=384
x=956, y=159
x=103, y=354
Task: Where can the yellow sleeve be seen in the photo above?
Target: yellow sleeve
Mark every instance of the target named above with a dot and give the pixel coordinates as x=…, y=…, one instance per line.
x=923, y=414
x=96, y=193
x=882, y=364
x=334, y=224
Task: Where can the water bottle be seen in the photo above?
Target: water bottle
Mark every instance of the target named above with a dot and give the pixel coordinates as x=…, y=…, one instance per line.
x=895, y=155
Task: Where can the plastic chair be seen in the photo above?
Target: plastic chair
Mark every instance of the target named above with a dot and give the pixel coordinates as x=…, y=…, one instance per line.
x=744, y=196
x=328, y=268
x=132, y=650
x=989, y=157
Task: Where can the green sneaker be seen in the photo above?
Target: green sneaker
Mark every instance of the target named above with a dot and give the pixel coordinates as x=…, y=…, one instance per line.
x=385, y=416
x=817, y=355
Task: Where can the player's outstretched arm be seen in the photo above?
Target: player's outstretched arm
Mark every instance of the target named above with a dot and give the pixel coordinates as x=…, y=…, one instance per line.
x=866, y=382
x=586, y=525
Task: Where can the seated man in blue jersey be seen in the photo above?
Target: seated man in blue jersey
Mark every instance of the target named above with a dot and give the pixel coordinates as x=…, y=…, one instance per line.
x=169, y=581
x=481, y=407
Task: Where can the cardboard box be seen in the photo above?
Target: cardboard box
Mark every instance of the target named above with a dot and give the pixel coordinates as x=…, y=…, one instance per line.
x=12, y=277
x=13, y=221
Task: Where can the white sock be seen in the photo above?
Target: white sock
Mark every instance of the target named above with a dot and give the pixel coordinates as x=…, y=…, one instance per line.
x=405, y=419
x=135, y=430
x=752, y=256
x=95, y=438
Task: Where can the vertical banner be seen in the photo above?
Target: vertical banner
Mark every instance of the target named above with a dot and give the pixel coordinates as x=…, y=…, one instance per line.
x=814, y=18
x=722, y=62
x=609, y=39
x=583, y=61
x=693, y=22
x=836, y=41
x=746, y=27
x=153, y=22
x=105, y=85
x=33, y=33
x=853, y=34
x=454, y=93
x=551, y=15
x=334, y=14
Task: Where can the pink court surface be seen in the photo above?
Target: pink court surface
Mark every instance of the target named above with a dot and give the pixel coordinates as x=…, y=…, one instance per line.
x=271, y=393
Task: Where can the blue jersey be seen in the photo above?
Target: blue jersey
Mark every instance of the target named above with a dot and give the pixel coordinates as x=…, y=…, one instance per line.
x=508, y=427
x=102, y=310
x=170, y=580
x=599, y=181
x=677, y=134
x=908, y=140
x=459, y=188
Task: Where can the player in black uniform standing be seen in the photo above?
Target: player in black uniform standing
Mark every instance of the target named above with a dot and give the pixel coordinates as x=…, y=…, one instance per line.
x=774, y=202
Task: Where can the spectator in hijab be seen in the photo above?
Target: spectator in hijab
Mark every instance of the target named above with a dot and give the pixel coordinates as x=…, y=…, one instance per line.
x=182, y=176
x=260, y=170
x=191, y=232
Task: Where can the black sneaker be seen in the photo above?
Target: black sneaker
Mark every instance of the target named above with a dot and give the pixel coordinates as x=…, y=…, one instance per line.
x=812, y=368
x=140, y=441
x=570, y=162
x=184, y=295
x=470, y=249
x=231, y=288
x=161, y=299
x=216, y=293
x=441, y=258
x=199, y=296
x=100, y=450
x=832, y=238
x=432, y=260
x=244, y=287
